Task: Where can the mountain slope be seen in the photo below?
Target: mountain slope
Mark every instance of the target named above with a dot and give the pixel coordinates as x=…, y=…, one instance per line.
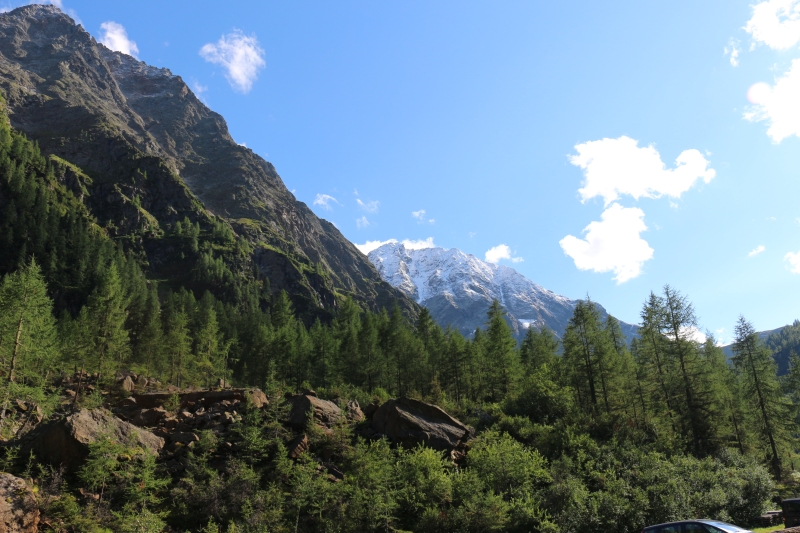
x=150, y=146
x=458, y=288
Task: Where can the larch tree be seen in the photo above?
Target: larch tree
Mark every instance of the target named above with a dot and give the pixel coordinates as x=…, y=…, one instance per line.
x=107, y=311
x=28, y=339
x=500, y=352
x=754, y=363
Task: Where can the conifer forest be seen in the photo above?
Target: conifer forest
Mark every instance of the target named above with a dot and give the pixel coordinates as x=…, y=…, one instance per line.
x=588, y=432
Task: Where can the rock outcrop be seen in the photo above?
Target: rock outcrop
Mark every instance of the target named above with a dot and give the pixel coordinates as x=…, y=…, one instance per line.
x=19, y=512
x=66, y=441
x=206, y=398
x=409, y=422
x=326, y=413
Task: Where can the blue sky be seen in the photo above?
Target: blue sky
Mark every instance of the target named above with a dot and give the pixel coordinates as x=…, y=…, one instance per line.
x=600, y=148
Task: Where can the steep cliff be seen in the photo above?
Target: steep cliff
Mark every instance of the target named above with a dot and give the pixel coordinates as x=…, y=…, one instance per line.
x=155, y=154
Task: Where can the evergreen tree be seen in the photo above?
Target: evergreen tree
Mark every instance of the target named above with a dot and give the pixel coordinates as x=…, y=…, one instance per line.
x=27, y=328
x=108, y=314
x=501, y=355
x=538, y=348
x=753, y=362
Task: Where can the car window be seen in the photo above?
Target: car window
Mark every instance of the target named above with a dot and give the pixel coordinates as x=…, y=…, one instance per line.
x=669, y=529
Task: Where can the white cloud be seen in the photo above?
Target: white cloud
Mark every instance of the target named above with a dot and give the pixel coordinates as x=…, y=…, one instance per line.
x=325, y=200
x=757, y=250
x=794, y=262
x=116, y=38
x=693, y=333
x=779, y=105
x=775, y=23
x=500, y=252
x=369, y=207
x=198, y=88
x=613, y=167
x=362, y=222
x=613, y=244
x=240, y=55
x=420, y=244
x=733, y=50
x=420, y=217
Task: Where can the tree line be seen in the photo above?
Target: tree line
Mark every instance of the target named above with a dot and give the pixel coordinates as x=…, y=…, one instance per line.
x=577, y=410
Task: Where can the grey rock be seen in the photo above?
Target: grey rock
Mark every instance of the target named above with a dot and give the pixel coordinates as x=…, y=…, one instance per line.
x=19, y=512
x=66, y=441
x=411, y=422
x=326, y=413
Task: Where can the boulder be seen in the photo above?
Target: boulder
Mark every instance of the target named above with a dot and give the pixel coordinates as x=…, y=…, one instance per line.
x=258, y=399
x=351, y=409
x=370, y=410
x=149, y=418
x=325, y=413
x=298, y=446
x=19, y=512
x=410, y=422
x=66, y=441
x=127, y=384
x=206, y=398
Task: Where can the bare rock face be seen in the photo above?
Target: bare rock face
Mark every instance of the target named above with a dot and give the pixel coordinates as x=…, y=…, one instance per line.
x=111, y=114
x=66, y=441
x=351, y=410
x=298, y=446
x=204, y=398
x=19, y=512
x=326, y=413
x=410, y=422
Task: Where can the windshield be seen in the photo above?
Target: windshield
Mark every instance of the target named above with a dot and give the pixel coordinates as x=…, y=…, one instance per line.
x=728, y=528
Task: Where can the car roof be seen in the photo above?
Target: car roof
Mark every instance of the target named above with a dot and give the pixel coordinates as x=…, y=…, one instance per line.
x=693, y=520
x=790, y=500
x=674, y=523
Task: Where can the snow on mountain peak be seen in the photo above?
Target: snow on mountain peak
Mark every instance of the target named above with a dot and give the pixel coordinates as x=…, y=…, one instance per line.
x=458, y=288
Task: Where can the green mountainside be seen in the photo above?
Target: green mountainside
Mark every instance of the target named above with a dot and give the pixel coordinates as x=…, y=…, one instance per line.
x=176, y=356
x=153, y=155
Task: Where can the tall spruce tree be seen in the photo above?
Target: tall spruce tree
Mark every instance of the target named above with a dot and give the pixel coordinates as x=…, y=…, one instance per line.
x=107, y=311
x=754, y=363
x=501, y=354
x=28, y=341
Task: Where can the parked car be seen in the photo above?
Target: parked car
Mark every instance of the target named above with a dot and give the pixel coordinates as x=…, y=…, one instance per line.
x=791, y=512
x=695, y=526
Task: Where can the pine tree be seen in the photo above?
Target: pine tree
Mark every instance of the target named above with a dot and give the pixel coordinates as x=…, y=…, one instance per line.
x=501, y=355
x=588, y=354
x=178, y=344
x=28, y=342
x=539, y=348
x=107, y=311
x=679, y=325
x=753, y=362
x=151, y=339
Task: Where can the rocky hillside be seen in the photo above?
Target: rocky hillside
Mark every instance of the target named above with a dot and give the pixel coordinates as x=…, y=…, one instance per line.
x=155, y=154
x=458, y=289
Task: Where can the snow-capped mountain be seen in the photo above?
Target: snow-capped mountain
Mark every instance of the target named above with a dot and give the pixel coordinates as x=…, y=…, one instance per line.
x=458, y=288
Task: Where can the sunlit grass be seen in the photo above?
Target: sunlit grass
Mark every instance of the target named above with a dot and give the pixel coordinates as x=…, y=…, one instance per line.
x=768, y=529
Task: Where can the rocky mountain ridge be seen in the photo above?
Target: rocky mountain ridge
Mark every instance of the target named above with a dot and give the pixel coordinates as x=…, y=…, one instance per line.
x=155, y=154
x=458, y=288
